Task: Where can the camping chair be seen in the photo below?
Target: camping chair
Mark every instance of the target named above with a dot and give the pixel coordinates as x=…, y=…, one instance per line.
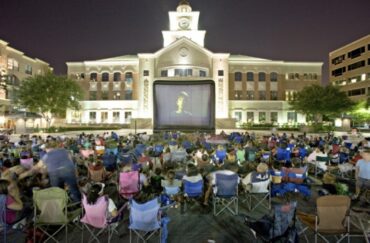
x=320, y=164
x=258, y=190
x=332, y=218
x=51, y=209
x=145, y=219
x=129, y=184
x=283, y=155
x=4, y=226
x=226, y=193
x=192, y=190
x=276, y=225
x=96, y=220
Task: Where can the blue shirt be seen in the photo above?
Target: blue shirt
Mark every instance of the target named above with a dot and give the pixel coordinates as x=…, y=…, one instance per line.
x=364, y=169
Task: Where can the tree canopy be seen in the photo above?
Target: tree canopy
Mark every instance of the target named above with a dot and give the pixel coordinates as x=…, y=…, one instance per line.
x=49, y=94
x=318, y=101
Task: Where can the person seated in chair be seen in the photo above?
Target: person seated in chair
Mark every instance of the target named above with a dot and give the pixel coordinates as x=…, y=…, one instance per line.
x=13, y=201
x=95, y=192
x=260, y=175
x=228, y=169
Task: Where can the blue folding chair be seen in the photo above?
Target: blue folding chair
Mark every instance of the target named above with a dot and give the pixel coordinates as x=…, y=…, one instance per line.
x=192, y=190
x=145, y=219
x=226, y=193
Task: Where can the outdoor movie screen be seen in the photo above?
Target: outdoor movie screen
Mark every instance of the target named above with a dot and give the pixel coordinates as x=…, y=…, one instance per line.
x=183, y=104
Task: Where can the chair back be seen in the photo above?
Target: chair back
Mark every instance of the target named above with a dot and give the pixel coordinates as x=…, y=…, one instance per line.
x=96, y=175
x=260, y=182
x=171, y=190
x=51, y=204
x=332, y=211
x=99, y=150
x=322, y=158
x=144, y=216
x=193, y=189
x=284, y=215
x=129, y=183
x=27, y=163
x=227, y=185
x=95, y=214
x=283, y=154
x=336, y=149
x=297, y=175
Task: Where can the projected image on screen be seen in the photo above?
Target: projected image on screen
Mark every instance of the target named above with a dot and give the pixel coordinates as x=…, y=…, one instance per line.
x=183, y=105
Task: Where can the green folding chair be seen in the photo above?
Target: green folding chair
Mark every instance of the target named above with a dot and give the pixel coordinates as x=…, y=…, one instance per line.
x=51, y=209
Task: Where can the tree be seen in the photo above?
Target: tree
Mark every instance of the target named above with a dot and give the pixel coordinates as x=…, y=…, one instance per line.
x=317, y=101
x=361, y=112
x=50, y=95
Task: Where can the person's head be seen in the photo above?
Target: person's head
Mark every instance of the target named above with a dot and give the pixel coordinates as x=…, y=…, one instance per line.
x=158, y=171
x=262, y=167
x=4, y=184
x=205, y=157
x=191, y=170
x=171, y=174
x=94, y=193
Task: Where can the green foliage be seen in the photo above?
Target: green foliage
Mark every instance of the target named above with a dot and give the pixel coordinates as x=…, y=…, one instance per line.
x=316, y=101
x=361, y=112
x=49, y=94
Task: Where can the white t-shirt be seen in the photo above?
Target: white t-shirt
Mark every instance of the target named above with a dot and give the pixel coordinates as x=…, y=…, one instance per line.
x=111, y=206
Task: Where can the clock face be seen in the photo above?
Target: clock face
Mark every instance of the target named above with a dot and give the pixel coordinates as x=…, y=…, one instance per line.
x=184, y=23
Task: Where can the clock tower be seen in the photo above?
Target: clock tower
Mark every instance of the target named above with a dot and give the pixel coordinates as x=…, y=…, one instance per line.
x=183, y=23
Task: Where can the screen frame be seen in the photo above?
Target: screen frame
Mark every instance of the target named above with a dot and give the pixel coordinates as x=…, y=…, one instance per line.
x=211, y=126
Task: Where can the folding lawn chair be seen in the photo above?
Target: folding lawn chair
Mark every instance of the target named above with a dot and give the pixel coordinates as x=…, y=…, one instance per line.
x=129, y=184
x=258, y=192
x=226, y=193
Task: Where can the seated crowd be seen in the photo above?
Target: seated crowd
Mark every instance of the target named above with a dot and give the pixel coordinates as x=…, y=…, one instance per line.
x=92, y=165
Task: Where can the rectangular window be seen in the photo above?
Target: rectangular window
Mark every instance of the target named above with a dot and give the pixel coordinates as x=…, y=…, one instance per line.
x=146, y=73
x=356, y=53
x=128, y=116
x=92, y=95
x=92, y=116
x=262, y=95
x=164, y=73
x=104, y=117
x=338, y=71
x=238, y=116
x=338, y=59
x=104, y=95
x=273, y=95
x=116, y=115
x=221, y=73
x=250, y=116
x=273, y=116
x=292, y=116
x=262, y=117
x=28, y=69
x=356, y=92
x=202, y=73
x=356, y=65
x=250, y=95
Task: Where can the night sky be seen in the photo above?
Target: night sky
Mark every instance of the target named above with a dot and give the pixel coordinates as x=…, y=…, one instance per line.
x=58, y=31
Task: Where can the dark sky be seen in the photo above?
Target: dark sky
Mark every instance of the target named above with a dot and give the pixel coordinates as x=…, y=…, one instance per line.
x=75, y=30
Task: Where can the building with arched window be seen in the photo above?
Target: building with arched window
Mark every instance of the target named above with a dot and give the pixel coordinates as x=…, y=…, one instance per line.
x=211, y=90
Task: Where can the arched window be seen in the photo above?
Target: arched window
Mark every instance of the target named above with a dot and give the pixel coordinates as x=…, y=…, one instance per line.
x=117, y=76
x=105, y=77
x=238, y=76
x=128, y=75
x=261, y=76
x=250, y=76
x=273, y=77
x=93, y=76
